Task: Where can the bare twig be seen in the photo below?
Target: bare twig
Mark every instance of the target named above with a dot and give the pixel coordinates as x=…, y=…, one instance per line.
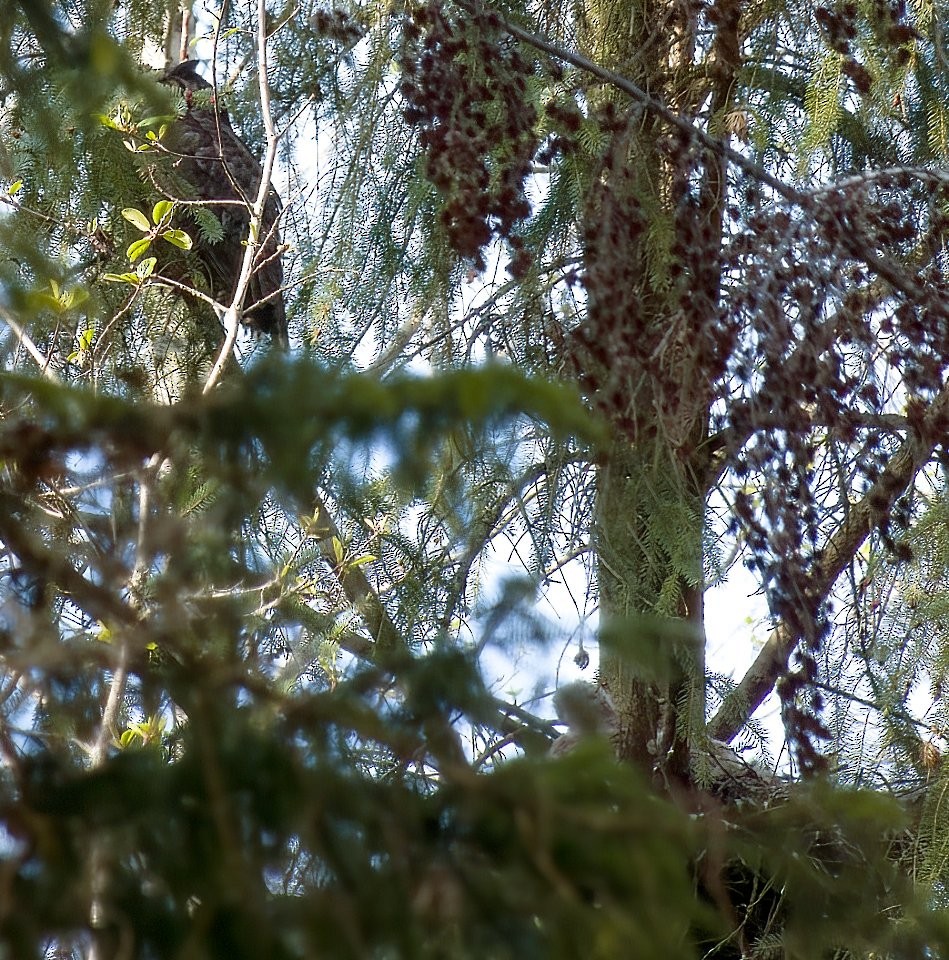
x=26, y=341
x=231, y=318
x=108, y=725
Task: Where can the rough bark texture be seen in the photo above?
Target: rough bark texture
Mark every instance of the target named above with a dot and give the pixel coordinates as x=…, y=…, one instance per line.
x=643, y=361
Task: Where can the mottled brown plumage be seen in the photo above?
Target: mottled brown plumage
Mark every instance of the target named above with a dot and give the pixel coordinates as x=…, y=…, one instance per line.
x=217, y=164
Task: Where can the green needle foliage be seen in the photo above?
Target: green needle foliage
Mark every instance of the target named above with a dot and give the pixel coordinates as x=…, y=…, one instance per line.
x=588, y=304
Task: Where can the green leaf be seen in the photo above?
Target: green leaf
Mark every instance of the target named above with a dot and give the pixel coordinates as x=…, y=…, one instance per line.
x=145, y=269
x=137, y=219
x=161, y=211
x=57, y=298
x=85, y=342
x=107, y=121
x=178, y=238
x=148, y=122
x=15, y=187
x=120, y=277
x=137, y=248
x=75, y=296
x=43, y=301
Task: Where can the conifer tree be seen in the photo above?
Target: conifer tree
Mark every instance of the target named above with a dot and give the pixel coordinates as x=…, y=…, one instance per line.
x=632, y=292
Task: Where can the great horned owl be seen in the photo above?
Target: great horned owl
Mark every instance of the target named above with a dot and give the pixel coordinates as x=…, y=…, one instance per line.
x=217, y=165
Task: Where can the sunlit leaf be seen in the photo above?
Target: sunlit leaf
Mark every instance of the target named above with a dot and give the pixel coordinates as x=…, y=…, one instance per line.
x=178, y=238
x=137, y=248
x=161, y=211
x=137, y=219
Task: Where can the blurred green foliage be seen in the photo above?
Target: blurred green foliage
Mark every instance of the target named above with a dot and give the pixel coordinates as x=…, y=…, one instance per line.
x=269, y=785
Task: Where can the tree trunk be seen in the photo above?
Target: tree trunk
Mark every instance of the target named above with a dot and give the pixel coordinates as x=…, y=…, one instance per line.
x=652, y=233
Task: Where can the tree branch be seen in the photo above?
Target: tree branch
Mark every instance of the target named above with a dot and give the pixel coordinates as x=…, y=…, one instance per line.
x=27, y=343
x=358, y=590
x=839, y=550
x=99, y=918
x=649, y=102
x=231, y=318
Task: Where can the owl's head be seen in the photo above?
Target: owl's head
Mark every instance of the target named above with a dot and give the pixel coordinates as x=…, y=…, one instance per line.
x=185, y=77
